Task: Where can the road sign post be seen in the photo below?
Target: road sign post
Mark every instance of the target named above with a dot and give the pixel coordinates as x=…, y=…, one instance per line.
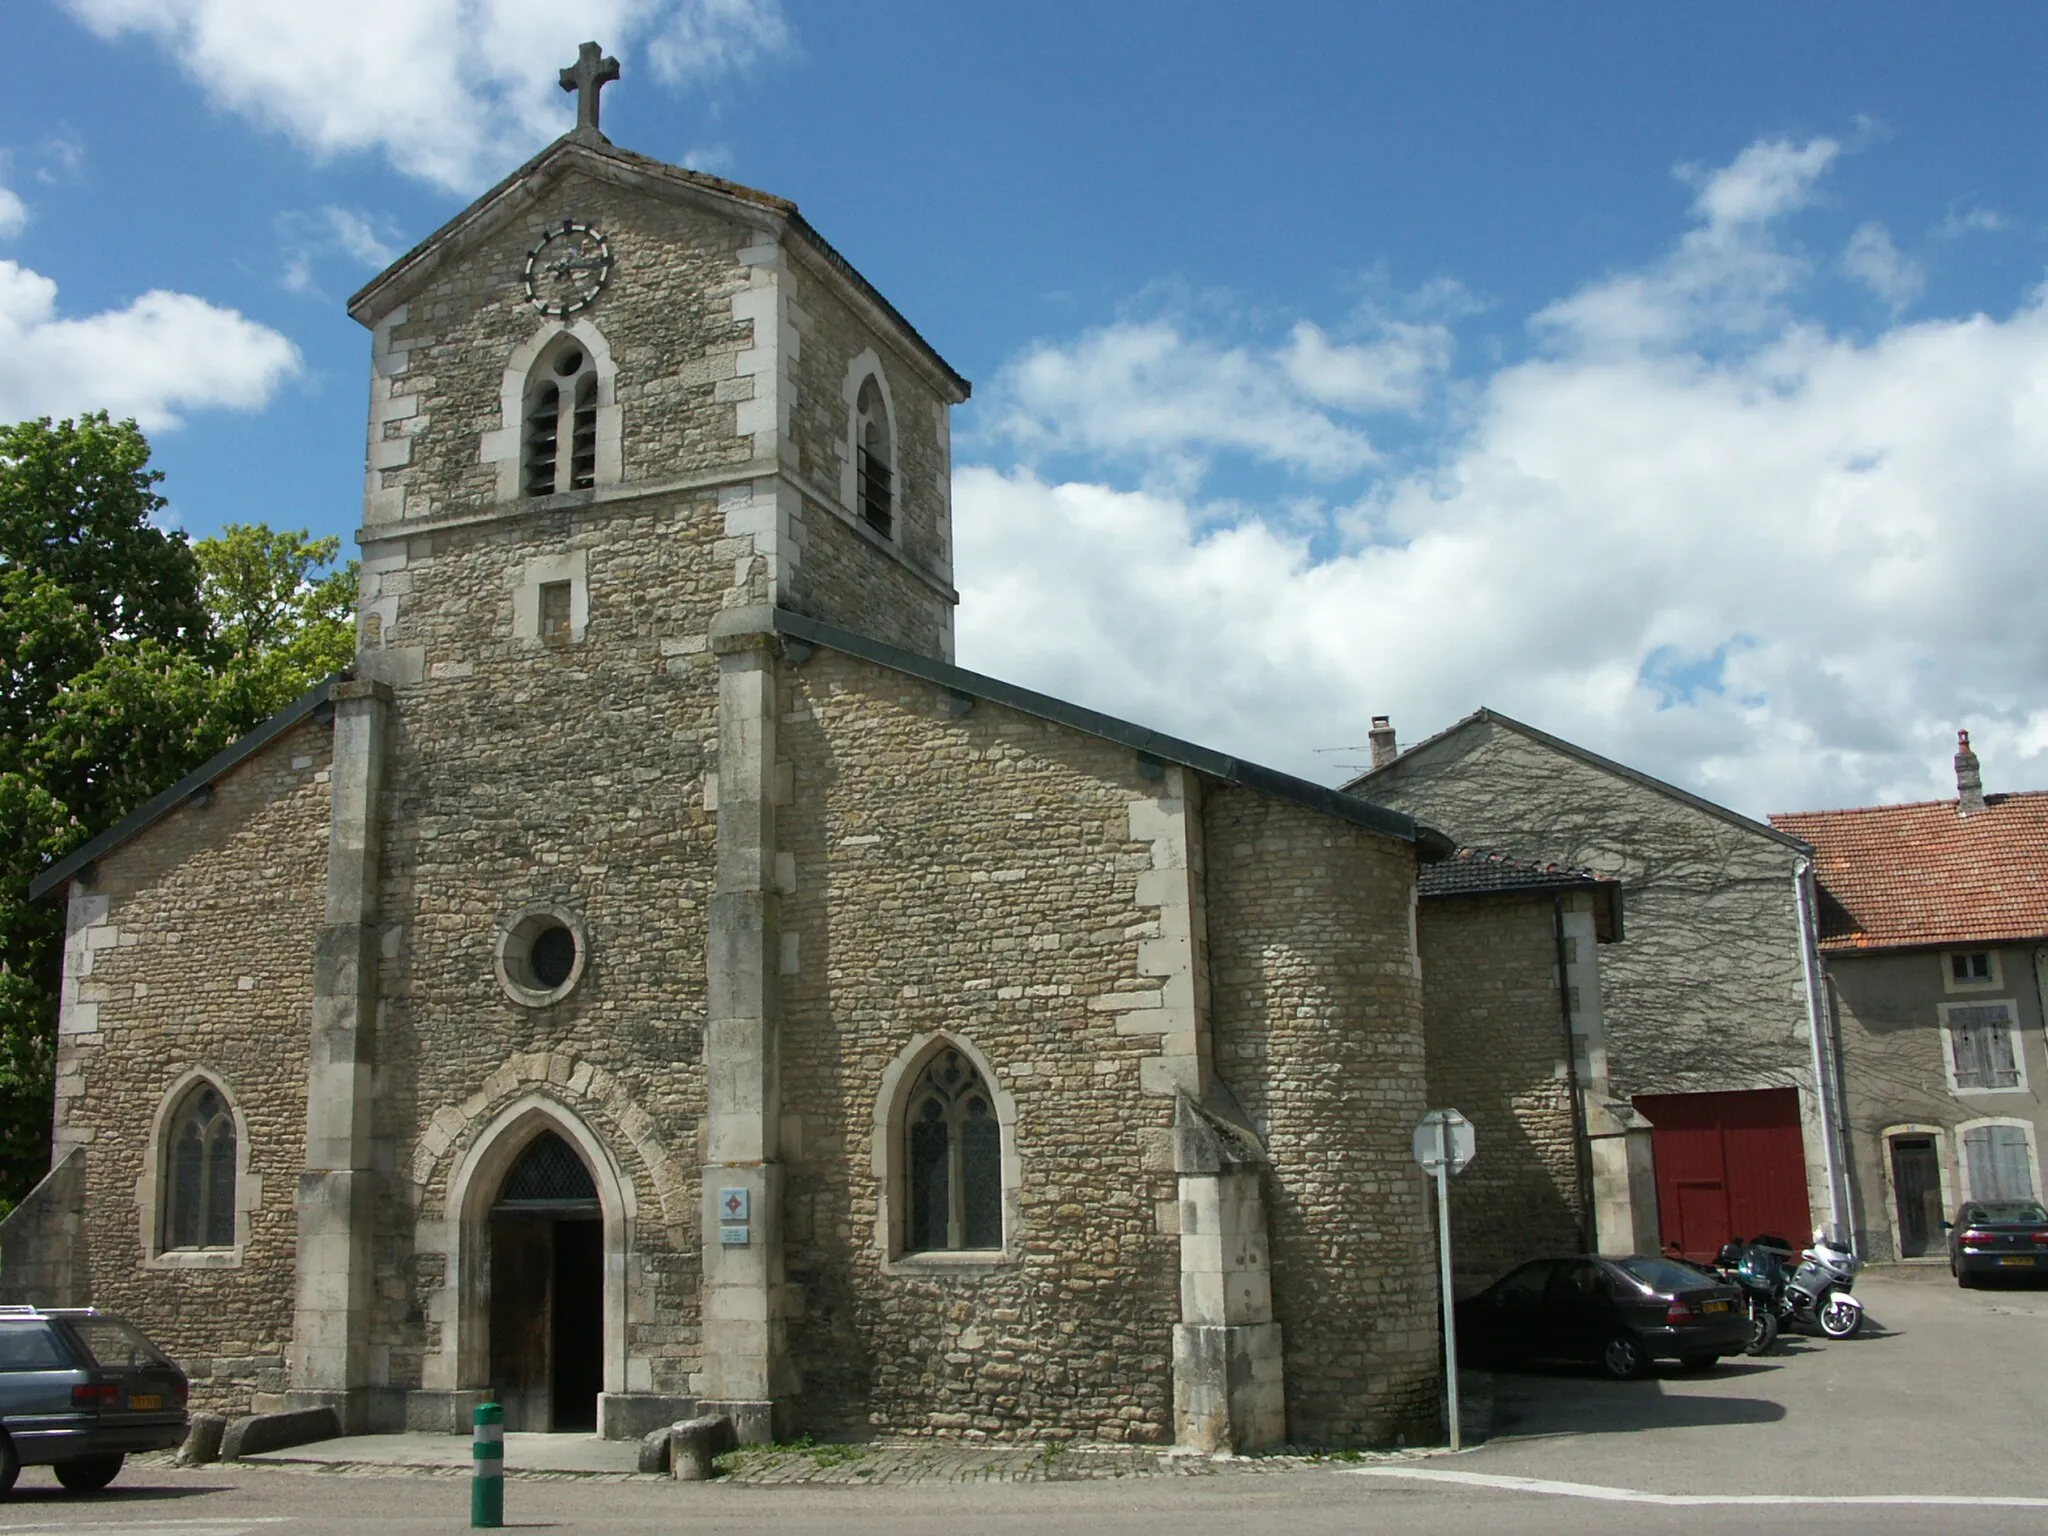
x=1444, y=1144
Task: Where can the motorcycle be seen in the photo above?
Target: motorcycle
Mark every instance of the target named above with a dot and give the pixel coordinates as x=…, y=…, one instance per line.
x=1755, y=1269
x=1818, y=1291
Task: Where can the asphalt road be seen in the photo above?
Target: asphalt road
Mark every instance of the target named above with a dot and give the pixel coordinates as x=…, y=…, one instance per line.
x=1932, y=1421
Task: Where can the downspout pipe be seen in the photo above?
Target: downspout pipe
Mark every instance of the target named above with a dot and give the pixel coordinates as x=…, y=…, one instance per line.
x=1824, y=1065
x=1582, y=1151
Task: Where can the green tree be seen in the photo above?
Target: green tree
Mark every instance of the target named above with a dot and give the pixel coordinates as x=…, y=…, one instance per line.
x=127, y=658
x=283, y=614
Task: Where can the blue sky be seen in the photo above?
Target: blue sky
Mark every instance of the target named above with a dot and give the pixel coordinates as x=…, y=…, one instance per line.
x=1678, y=382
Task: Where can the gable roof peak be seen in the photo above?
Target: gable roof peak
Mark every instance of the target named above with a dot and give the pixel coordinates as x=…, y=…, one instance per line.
x=1486, y=715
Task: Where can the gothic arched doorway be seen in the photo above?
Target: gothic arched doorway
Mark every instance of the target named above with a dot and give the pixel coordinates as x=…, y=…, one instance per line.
x=547, y=1290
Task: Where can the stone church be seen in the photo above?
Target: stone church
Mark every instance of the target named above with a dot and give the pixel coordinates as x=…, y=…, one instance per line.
x=656, y=979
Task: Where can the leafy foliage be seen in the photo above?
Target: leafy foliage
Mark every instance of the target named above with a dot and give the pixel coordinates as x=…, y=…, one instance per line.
x=128, y=656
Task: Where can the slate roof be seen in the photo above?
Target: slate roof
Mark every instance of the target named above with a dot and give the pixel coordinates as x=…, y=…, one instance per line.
x=1482, y=872
x=1143, y=740
x=1150, y=746
x=1920, y=875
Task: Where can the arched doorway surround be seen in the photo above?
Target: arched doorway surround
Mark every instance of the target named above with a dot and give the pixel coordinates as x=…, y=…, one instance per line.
x=474, y=1189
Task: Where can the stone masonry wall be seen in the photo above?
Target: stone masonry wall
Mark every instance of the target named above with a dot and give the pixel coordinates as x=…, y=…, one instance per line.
x=1496, y=1053
x=831, y=335
x=200, y=938
x=972, y=874
x=1707, y=993
x=575, y=774
x=666, y=313
x=845, y=577
x=1318, y=1024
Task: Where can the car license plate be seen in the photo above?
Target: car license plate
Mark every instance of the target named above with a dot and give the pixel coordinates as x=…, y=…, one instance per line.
x=143, y=1402
x=1716, y=1306
x=2018, y=1259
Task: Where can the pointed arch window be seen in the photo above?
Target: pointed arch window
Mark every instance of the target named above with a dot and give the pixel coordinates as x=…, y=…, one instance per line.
x=199, y=1172
x=953, y=1160
x=874, y=475
x=559, y=423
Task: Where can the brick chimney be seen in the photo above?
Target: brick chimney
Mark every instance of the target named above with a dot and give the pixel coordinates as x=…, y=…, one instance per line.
x=1382, y=738
x=1969, y=782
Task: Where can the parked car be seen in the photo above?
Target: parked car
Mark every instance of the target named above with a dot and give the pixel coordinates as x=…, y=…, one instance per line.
x=1618, y=1314
x=79, y=1390
x=1997, y=1237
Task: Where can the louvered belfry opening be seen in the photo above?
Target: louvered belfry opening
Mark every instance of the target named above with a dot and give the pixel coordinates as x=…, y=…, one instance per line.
x=560, y=438
x=583, y=436
x=547, y=1290
x=543, y=423
x=876, y=486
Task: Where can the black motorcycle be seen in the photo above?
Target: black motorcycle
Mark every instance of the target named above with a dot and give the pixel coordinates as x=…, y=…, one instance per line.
x=1759, y=1269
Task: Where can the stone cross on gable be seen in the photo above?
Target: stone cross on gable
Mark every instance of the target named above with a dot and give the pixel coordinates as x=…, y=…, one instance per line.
x=587, y=77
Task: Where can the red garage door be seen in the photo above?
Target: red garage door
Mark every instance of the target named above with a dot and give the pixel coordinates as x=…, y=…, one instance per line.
x=1728, y=1165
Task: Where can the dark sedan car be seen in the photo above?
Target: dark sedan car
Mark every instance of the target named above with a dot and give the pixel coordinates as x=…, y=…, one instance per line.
x=79, y=1390
x=1618, y=1314
x=1998, y=1237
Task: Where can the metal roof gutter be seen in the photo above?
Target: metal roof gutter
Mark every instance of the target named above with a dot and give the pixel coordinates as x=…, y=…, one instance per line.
x=1147, y=743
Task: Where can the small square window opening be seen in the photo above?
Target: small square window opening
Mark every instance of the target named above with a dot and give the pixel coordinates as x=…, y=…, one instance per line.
x=1975, y=966
x=554, y=612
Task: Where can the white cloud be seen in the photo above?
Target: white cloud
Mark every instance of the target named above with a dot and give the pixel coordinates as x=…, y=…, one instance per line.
x=164, y=354
x=1146, y=390
x=308, y=238
x=1782, y=571
x=452, y=91
x=1972, y=221
x=13, y=213
x=1768, y=179
x=1875, y=262
x=1153, y=392
x=1727, y=274
x=703, y=40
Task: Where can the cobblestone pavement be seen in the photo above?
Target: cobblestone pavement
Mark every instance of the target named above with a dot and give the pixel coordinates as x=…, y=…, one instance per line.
x=871, y=1465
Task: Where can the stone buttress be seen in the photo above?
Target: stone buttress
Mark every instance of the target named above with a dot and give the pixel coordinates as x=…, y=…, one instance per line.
x=331, y=1355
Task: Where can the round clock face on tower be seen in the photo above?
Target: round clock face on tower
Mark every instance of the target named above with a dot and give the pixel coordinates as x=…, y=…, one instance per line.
x=567, y=269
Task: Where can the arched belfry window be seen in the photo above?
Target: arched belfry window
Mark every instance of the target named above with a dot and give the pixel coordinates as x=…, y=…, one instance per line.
x=953, y=1159
x=558, y=442
x=199, y=1172
x=874, y=475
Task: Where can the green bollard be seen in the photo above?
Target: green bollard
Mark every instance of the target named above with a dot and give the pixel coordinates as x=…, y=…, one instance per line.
x=487, y=1477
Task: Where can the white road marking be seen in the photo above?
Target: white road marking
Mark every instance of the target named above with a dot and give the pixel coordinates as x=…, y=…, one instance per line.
x=1639, y=1496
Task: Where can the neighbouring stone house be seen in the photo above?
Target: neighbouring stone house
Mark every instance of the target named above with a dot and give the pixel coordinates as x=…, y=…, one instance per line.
x=1709, y=1011
x=655, y=978
x=1934, y=931
x=1512, y=1020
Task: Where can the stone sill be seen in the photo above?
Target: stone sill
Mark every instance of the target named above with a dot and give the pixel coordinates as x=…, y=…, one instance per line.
x=968, y=1265
x=196, y=1258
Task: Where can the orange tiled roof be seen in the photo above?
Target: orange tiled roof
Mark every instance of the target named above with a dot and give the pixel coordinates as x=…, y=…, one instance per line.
x=1894, y=876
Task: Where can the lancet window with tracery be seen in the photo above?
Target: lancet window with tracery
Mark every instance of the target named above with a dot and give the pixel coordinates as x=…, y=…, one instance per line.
x=953, y=1158
x=199, y=1180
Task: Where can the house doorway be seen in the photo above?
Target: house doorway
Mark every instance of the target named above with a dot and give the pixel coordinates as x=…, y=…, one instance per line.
x=547, y=1291
x=1916, y=1184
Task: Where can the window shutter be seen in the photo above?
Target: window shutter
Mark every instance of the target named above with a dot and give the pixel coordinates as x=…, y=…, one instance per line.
x=2000, y=1168
x=1981, y=1040
x=2002, y=1070
x=2009, y=1157
x=1968, y=1050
